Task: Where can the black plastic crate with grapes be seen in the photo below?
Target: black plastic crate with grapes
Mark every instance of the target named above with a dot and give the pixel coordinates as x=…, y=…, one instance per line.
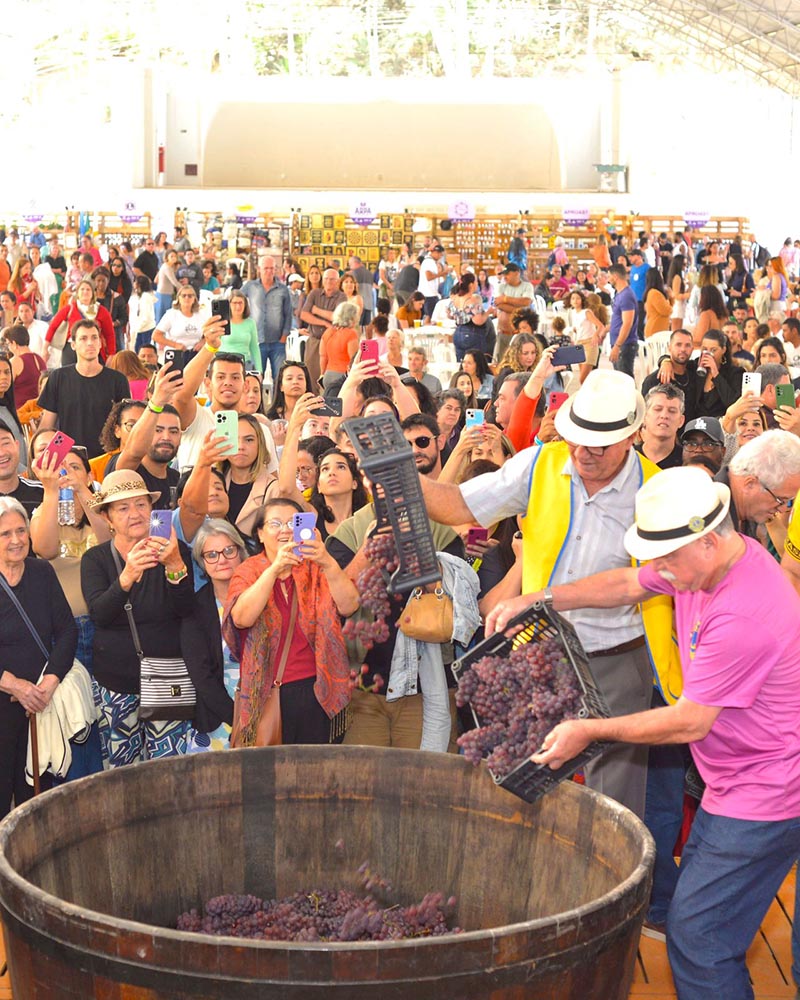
x=519, y=687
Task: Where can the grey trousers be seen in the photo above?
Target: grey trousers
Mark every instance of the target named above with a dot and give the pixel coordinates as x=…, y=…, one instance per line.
x=626, y=681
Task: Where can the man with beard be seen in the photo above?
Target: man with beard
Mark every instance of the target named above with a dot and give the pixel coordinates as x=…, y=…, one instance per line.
x=677, y=368
x=154, y=440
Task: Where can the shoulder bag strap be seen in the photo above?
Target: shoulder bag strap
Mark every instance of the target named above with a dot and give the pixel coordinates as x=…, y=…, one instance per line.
x=281, y=667
x=31, y=628
x=137, y=645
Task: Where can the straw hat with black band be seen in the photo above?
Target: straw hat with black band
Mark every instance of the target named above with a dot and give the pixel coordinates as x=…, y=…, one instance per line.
x=605, y=410
x=122, y=484
x=675, y=508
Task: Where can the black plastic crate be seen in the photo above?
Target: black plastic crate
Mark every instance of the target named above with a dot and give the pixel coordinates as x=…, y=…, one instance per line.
x=387, y=459
x=528, y=780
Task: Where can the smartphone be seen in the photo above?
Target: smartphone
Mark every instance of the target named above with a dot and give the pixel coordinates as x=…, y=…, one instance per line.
x=161, y=524
x=369, y=352
x=222, y=307
x=474, y=418
x=556, y=400
x=330, y=408
x=477, y=535
x=752, y=380
x=784, y=395
x=303, y=528
x=60, y=446
x=574, y=355
x=227, y=426
x=175, y=358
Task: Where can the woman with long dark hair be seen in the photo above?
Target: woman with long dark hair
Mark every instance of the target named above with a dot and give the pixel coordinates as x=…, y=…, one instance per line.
x=338, y=492
x=723, y=381
x=466, y=308
x=657, y=306
x=712, y=313
x=676, y=283
x=293, y=381
x=740, y=284
x=8, y=407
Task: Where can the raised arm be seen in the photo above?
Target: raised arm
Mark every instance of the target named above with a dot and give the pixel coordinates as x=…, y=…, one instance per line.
x=195, y=371
x=167, y=384
x=287, y=470
x=193, y=504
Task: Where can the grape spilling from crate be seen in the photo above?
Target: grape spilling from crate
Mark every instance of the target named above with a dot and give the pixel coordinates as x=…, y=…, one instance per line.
x=518, y=699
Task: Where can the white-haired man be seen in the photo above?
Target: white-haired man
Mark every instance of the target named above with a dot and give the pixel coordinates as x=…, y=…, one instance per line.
x=740, y=710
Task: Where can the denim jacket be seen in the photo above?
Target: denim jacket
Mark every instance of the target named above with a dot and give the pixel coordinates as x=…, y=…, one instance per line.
x=412, y=658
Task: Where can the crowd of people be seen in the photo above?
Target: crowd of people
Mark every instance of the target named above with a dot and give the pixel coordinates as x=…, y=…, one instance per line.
x=151, y=491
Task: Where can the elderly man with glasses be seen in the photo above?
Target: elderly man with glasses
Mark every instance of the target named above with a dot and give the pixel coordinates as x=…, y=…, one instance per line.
x=764, y=478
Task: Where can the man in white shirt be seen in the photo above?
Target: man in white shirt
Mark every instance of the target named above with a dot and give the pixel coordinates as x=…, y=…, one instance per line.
x=431, y=273
x=225, y=387
x=37, y=329
x=512, y=294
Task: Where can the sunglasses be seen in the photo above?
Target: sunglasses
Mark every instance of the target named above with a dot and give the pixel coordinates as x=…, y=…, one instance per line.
x=423, y=441
x=229, y=356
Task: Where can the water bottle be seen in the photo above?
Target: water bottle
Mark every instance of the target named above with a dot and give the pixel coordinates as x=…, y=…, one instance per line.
x=66, y=504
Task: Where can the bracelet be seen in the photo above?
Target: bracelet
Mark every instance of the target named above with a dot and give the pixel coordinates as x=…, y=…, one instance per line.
x=209, y=348
x=155, y=409
x=177, y=576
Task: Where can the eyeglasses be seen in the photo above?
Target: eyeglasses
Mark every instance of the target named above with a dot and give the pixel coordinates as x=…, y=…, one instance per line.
x=276, y=525
x=423, y=441
x=705, y=445
x=128, y=424
x=213, y=554
x=254, y=375
x=787, y=502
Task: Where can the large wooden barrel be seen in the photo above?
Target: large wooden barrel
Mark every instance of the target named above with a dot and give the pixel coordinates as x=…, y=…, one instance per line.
x=93, y=874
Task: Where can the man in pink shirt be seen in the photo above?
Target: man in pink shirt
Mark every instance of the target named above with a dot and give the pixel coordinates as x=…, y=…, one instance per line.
x=739, y=710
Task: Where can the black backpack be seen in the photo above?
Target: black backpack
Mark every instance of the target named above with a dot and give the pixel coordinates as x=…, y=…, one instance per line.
x=762, y=256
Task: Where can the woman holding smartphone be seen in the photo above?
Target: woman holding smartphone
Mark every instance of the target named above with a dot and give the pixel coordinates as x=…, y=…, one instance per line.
x=283, y=623
x=246, y=478
x=154, y=576
x=338, y=492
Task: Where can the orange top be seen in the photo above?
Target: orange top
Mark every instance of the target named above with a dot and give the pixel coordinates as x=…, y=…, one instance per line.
x=339, y=344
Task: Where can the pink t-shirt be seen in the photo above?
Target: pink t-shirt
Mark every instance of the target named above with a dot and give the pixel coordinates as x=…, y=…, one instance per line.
x=740, y=649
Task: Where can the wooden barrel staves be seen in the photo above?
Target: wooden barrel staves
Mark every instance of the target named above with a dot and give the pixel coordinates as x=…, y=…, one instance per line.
x=94, y=873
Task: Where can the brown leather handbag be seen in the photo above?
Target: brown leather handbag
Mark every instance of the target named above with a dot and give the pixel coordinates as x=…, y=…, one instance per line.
x=427, y=617
x=269, y=731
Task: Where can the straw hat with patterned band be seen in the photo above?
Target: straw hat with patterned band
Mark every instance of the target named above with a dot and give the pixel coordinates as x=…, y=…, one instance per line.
x=674, y=508
x=605, y=410
x=122, y=484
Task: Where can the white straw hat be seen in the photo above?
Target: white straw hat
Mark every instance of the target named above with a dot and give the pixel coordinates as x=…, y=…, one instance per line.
x=674, y=508
x=605, y=410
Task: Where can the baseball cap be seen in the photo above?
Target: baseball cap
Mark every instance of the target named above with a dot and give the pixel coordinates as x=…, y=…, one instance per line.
x=709, y=426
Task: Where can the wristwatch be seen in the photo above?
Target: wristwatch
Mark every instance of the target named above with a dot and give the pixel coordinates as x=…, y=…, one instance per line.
x=547, y=597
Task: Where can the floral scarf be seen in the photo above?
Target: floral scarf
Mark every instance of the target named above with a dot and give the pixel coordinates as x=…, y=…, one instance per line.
x=256, y=647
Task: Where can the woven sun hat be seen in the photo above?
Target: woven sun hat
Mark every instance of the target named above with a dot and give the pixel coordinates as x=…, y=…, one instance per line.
x=674, y=508
x=605, y=410
x=122, y=484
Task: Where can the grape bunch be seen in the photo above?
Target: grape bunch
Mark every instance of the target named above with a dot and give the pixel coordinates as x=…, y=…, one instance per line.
x=324, y=915
x=518, y=700
x=371, y=584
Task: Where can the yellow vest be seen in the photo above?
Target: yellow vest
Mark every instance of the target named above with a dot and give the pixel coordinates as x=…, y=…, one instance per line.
x=545, y=530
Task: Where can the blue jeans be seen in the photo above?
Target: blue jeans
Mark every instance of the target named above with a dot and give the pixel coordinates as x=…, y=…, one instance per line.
x=163, y=302
x=663, y=817
x=145, y=337
x=730, y=872
x=627, y=356
x=276, y=353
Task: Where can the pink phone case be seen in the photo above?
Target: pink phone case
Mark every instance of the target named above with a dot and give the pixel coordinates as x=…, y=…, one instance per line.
x=60, y=445
x=369, y=351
